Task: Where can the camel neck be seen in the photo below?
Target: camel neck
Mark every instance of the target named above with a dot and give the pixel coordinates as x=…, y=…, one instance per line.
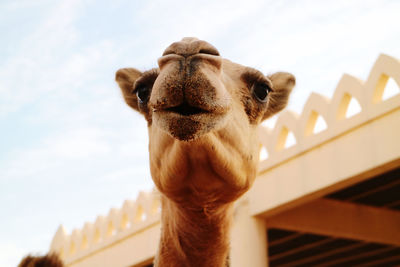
x=194, y=236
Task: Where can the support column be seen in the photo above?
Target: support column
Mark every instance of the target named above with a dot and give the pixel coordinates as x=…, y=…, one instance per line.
x=248, y=238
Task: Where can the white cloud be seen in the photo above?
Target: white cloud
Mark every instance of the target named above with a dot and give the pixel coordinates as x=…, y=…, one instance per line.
x=51, y=153
x=17, y=5
x=36, y=69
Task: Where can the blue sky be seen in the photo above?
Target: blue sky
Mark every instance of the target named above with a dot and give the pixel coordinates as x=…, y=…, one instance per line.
x=70, y=149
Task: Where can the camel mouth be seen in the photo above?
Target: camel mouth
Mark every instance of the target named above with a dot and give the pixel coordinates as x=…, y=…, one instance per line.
x=185, y=109
x=187, y=123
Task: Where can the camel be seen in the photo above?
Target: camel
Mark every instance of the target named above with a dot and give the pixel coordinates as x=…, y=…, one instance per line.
x=202, y=113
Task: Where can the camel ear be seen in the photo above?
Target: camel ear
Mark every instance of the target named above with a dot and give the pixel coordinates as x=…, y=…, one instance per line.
x=282, y=85
x=126, y=78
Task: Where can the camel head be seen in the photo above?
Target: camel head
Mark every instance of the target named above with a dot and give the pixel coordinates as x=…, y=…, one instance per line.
x=202, y=112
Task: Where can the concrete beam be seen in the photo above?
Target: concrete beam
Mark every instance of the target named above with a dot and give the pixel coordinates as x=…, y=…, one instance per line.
x=341, y=220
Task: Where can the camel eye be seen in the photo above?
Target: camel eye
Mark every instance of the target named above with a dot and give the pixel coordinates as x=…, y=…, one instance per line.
x=261, y=91
x=143, y=93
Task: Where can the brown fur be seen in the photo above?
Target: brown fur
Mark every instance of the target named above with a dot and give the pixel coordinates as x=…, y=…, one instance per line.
x=49, y=260
x=202, y=112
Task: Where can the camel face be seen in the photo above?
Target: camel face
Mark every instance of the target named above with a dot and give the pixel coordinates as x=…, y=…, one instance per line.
x=193, y=91
x=202, y=113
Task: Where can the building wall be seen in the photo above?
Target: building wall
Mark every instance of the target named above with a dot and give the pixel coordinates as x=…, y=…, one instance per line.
x=291, y=181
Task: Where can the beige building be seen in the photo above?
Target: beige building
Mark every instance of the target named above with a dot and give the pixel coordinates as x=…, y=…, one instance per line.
x=330, y=195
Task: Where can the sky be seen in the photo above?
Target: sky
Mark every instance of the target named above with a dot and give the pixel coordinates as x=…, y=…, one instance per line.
x=70, y=149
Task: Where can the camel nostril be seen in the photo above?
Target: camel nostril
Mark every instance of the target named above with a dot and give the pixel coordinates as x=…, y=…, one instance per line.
x=209, y=51
x=192, y=51
x=168, y=52
x=187, y=49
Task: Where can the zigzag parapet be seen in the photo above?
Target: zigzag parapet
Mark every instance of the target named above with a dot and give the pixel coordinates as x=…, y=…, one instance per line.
x=133, y=217
x=368, y=94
